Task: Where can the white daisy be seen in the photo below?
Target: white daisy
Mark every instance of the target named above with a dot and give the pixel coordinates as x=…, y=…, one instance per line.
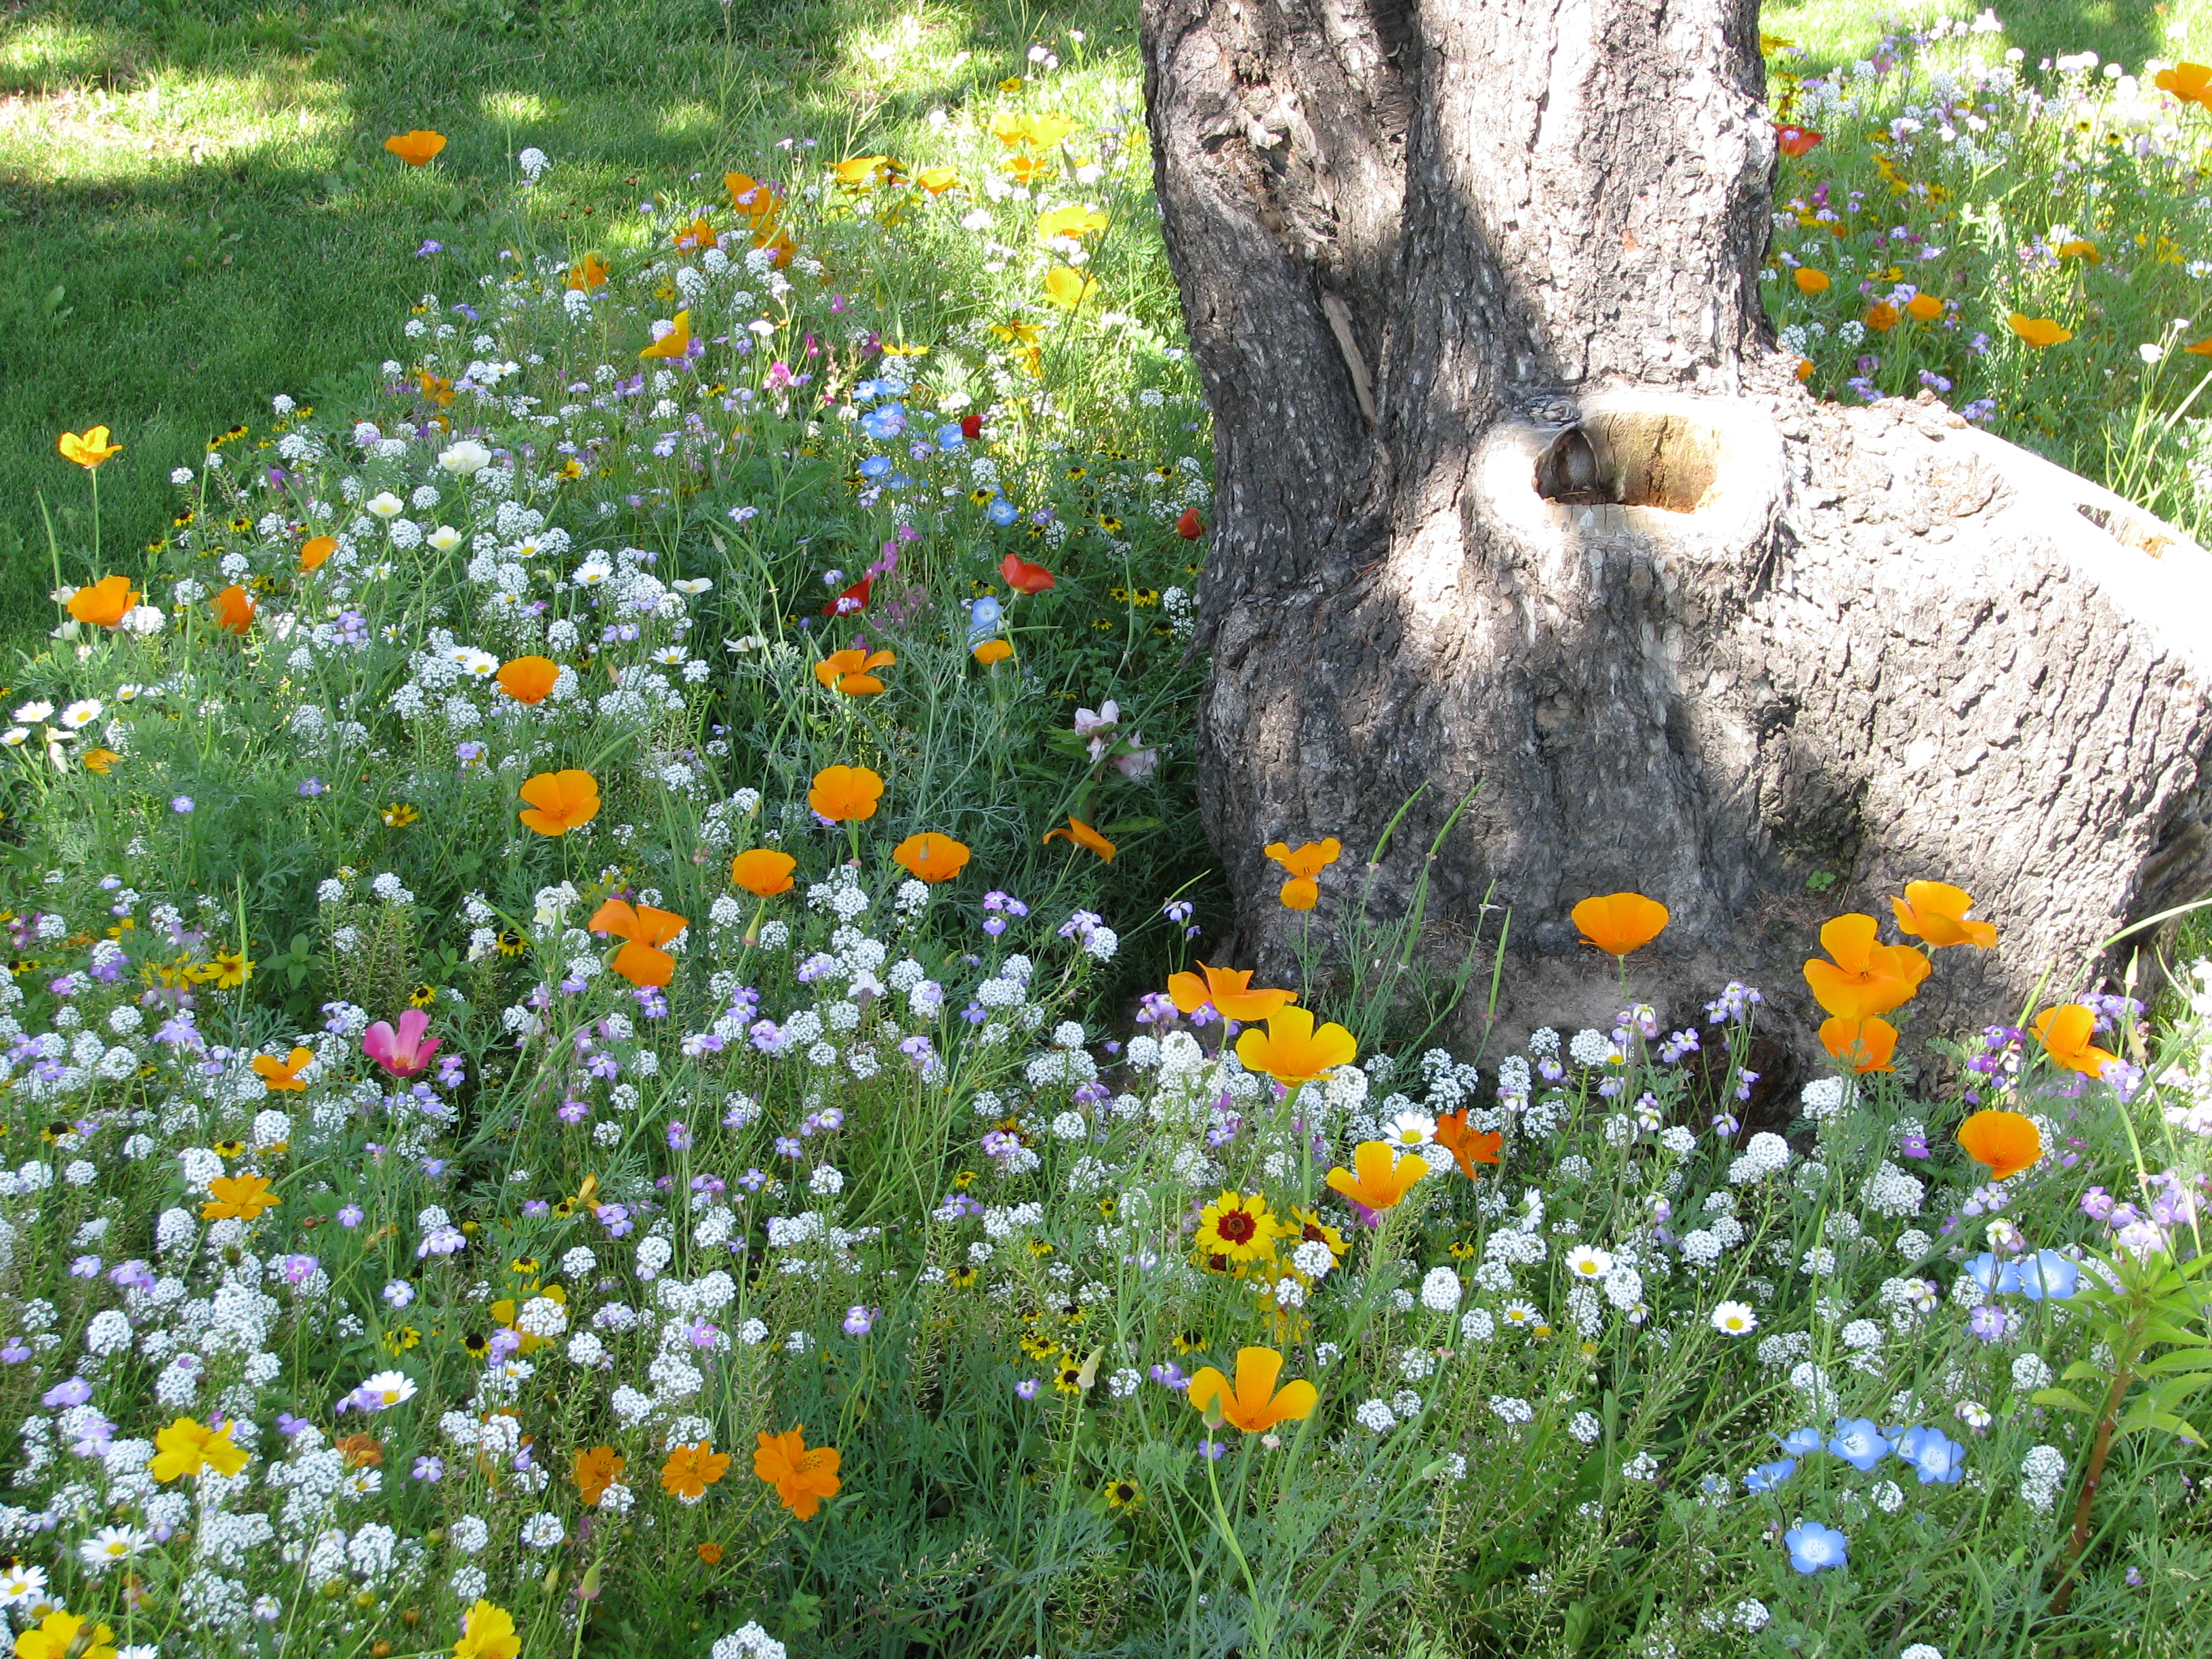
x=1410, y=1130
x=32, y=713
x=78, y=715
x=388, y=1388
x=110, y=1545
x=1588, y=1262
x=444, y=537
x=1734, y=1319
x=385, y=505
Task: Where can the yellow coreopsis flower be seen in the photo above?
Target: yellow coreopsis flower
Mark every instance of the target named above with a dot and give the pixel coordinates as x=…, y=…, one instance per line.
x=189, y=1447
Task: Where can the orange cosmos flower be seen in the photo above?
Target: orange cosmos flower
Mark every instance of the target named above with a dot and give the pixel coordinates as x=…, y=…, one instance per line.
x=2065, y=1032
x=1255, y=1405
x=1865, y=978
x=1384, y=1177
x=88, y=449
x=1795, y=141
x=847, y=671
x=1864, y=1045
x=1302, y=891
x=559, y=801
x=105, y=603
x=1023, y=576
x=1926, y=308
x=588, y=273
x=1810, y=281
x=594, y=1471
x=528, y=680
x=2038, y=331
x=696, y=234
x=845, y=794
x=1619, y=922
x=801, y=1475
x=1067, y=287
x=1228, y=990
x=641, y=962
x=690, y=1470
x=2189, y=82
x=233, y=610
x=674, y=343
x=1469, y=1147
x=316, y=550
x=763, y=872
x=993, y=651
x=238, y=1197
x=2006, y=1141
x=1937, y=911
x=711, y=1554
x=282, y=1075
x=1079, y=834
x=416, y=148
x=931, y=857
x=1291, y=1051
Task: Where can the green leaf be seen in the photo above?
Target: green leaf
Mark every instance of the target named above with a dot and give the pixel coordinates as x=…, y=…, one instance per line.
x=2181, y=1359
x=2065, y=1400
x=2083, y=1371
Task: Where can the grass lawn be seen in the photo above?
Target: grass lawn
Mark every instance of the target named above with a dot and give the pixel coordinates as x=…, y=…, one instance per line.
x=196, y=212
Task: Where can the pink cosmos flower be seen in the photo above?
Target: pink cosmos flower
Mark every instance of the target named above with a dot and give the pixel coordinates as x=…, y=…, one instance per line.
x=404, y=1053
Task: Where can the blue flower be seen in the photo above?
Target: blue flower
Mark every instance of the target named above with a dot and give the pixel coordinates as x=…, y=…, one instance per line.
x=1813, y=1547
x=1802, y=1443
x=2047, y=1273
x=897, y=481
x=983, y=618
x=875, y=466
x=1002, y=510
x=1858, y=1442
x=1939, y=1459
x=1996, y=1277
x=949, y=437
x=867, y=389
x=885, y=422
x=1767, y=1476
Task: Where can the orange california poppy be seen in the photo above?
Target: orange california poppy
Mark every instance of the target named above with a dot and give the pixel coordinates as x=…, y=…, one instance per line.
x=1302, y=891
x=697, y=235
x=1881, y=316
x=802, y=1475
x=595, y=1470
x=931, y=857
x=2038, y=331
x=780, y=248
x=1384, y=1177
x=105, y=604
x=2080, y=248
x=676, y=343
x=1469, y=1147
x=1291, y=1051
x=1074, y=220
x=937, y=180
x=642, y=961
x=993, y=651
x=98, y=760
x=2189, y=82
x=1228, y=990
x=754, y=197
x=1810, y=281
x=1794, y=140
x=2006, y=1141
x=2065, y=1032
x=1027, y=169
x=690, y=1470
x=1619, y=922
x=1023, y=576
x=528, y=680
x=1067, y=287
x=863, y=171
x=588, y=273
x=556, y=802
x=1936, y=912
x=711, y=1554
x=845, y=794
x=1923, y=308
x=1079, y=834
x=1864, y=1045
x=1255, y=1405
x=233, y=610
x=1865, y=978
x=2200, y=348
x=88, y=449
x=284, y=1075
x=316, y=550
x=763, y=872
x=850, y=671
x=238, y=1197
x=416, y=148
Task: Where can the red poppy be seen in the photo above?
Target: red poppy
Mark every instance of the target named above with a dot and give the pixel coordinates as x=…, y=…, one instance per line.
x=1793, y=141
x=1190, y=526
x=1023, y=576
x=971, y=427
x=852, y=600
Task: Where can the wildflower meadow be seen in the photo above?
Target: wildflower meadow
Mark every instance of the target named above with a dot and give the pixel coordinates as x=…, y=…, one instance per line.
x=615, y=1042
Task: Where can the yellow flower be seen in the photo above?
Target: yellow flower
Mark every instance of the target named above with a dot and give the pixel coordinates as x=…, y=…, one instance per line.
x=1067, y=287
x=1291, y=1051
x=58, y=1636
x=188, y=1447
x=242, y=1198
x=2038, y=331
x=1237, y=1225
x=1255, y=1405
x=1383, y=1178
x=89, y=449
x=1075, y=221
x=488, y=1632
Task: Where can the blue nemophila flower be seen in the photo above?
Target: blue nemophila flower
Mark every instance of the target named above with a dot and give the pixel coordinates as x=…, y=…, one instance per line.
x=884, y=422
x=1858, y=1442
x=1802, y=1443
x=984, y=616
x=1994, y=1277
x=1813, y=1547
x=951, y=437
x=2047, y=1273
x=1002, y=510
x=1767, y=1476
x=875, y=466
x=1938, y=1459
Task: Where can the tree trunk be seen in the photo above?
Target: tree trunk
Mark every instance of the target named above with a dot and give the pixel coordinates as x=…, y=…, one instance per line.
x=1513, y=491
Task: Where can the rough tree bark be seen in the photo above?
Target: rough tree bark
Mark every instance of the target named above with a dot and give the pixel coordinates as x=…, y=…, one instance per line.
x=1511, y=489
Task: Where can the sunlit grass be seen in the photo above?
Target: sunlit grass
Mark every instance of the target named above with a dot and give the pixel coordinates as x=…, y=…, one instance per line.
x=176, y=121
